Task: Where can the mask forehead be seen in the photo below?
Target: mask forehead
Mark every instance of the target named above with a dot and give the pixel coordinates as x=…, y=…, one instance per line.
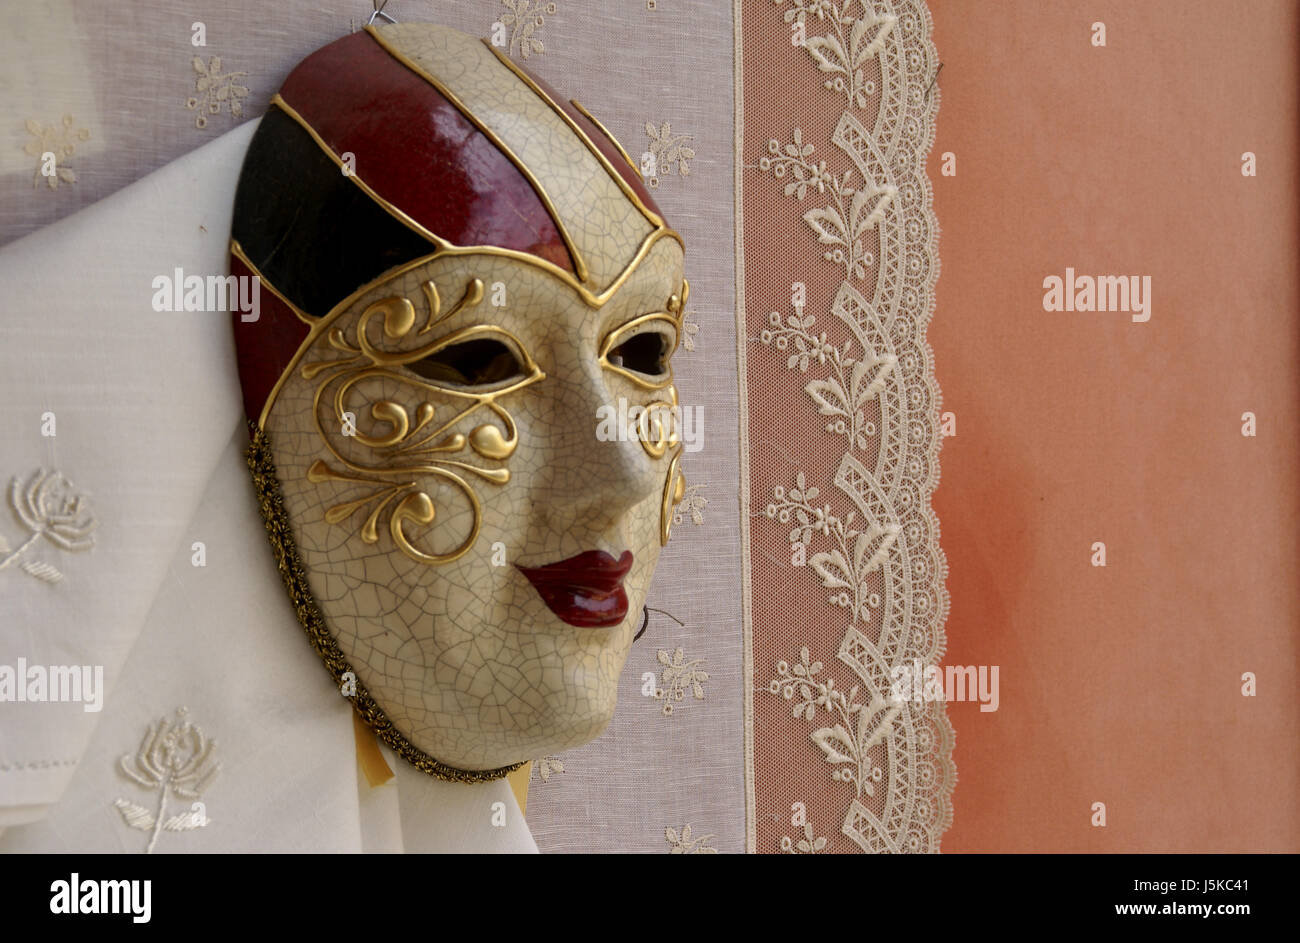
x=652, y=285
x=587, y=184
x=538, y=304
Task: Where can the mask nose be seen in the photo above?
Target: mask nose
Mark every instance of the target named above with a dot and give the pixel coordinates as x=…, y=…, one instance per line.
x=596, y=467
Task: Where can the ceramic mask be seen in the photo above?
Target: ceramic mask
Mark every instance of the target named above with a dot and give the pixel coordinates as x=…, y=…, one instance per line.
x=459, y=269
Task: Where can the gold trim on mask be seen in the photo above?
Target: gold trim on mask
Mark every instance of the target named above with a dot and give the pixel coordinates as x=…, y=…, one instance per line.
x=656, y=424
x=473, y=295
x=655, y=219
x=618, y=334
x=271, y=503
x=661, y=414
x=238, y=252
x=397, y=214
x=412, y=441
x=579, y=264
x=677, y=303
x=591, y=300
x=656, y=431
x=608, y=134
x=674, y=491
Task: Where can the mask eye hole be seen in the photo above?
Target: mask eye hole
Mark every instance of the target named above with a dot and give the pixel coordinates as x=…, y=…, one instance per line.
x=645, y=352
x=477, y=362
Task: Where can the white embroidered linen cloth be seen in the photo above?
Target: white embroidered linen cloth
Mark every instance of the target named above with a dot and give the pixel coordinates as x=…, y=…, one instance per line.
x=149, y=429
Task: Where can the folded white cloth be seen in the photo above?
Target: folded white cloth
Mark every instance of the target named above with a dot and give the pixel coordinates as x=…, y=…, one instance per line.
x=149, y=429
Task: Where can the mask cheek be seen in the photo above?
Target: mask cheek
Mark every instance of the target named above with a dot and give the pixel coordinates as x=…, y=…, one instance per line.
x=643, y=540
x=488, y=570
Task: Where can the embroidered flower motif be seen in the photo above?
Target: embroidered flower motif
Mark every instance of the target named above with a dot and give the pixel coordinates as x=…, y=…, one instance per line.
x=49, y=506
x=672, y=153
x=679, y=675
x=546, y=767
x=856, y=552
x=689, y=329
x=855, y=212
x=686, y=843
x=692, y=503
x=175, y=757
x=216, y=88
x=808, y=845
x=846, y=744
x=845, y=51
x=52, y=145
x=852, y=383
x=524, y=19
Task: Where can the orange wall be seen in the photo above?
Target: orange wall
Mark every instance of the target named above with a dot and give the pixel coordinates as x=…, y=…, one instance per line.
x=1121, y=685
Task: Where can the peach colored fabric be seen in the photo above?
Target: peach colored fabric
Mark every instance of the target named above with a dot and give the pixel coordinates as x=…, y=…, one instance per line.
x=1121, y=685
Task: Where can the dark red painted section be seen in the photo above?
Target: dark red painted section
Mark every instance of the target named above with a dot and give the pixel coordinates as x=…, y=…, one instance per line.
x=598, y=137
x=417, y=151
x=264, y=347
x=420, y=154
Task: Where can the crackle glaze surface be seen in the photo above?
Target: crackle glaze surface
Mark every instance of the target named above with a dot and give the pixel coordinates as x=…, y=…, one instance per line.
x=588, y=200
x=464, y=656
x=415, y=490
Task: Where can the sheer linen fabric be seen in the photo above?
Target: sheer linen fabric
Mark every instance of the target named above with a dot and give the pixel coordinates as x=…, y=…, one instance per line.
x=217, y=641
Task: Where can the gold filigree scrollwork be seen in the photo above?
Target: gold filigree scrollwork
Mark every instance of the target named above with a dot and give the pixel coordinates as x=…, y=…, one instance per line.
x=677, y=303
x=404, y=448
x=675, y=483
x=658, y=424
x=658, y=421
x=664, y=323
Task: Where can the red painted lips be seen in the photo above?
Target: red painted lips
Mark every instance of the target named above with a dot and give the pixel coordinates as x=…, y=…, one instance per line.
x=586, y=590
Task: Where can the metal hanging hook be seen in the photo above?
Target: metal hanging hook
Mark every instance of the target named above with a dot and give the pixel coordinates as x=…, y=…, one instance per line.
x=379, y=13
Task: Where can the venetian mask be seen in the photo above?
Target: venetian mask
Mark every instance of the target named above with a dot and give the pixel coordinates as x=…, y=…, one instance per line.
x=462, y=279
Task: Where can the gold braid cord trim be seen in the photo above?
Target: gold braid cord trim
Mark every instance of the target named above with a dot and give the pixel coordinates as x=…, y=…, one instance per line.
x=271, y=503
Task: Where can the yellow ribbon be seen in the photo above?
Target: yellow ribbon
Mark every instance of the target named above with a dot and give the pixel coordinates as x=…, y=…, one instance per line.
x=369, y=756
x=378, y=772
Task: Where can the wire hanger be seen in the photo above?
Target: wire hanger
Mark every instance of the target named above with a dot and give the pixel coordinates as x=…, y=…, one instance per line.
x=378, y=7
